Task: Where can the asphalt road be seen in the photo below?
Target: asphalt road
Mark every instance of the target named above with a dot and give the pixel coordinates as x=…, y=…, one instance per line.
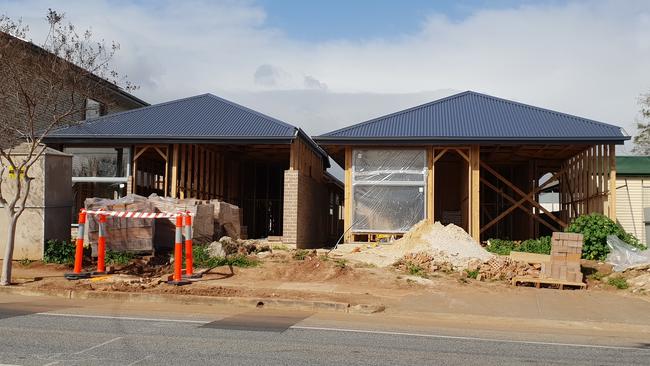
x=32, y=334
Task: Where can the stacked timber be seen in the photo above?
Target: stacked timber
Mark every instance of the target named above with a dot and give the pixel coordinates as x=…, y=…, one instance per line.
x=566, y=251
x=226, y=220
x=122, y=234
x=202, y=219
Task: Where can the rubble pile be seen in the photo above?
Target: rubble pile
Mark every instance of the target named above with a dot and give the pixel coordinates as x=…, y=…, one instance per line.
x=229, y=246
x=424, y=260
x=503, y=268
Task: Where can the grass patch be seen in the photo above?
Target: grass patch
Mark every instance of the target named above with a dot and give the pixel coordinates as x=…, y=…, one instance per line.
x=119, y=258
x=300, y=254
x=341, y=263
x=280, y=247
x=415, y=270
x=202, y=258
x=472, y=274
x=618, y=282
x=597, y=276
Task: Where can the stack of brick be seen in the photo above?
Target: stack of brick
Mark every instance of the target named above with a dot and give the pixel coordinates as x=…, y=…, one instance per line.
x=566, y=251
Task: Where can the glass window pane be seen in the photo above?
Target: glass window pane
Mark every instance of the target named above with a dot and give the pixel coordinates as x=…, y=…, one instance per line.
x=387, y=208
x=389, y=165
x=83, y=190
x=98, y=161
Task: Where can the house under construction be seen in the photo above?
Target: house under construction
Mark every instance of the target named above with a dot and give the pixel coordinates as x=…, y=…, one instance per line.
x=205, y=147
x=477, y=161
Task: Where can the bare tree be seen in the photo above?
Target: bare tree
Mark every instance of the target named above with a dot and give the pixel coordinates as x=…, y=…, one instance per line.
x=43, y=88
x=642, y=138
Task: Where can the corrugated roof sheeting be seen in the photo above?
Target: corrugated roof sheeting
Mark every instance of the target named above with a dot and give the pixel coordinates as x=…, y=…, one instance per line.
x=202, y=116
x=474, y=116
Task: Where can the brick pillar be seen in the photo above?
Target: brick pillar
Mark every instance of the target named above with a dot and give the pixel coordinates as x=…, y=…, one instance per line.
x=290, y=215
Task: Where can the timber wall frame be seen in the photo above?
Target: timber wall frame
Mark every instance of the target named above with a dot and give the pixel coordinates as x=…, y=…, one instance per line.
x=583, y=175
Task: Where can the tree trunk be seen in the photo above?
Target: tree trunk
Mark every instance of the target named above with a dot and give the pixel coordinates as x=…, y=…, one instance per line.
x=9, y=252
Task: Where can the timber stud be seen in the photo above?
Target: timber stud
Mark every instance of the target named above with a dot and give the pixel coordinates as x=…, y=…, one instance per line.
x=79, y=250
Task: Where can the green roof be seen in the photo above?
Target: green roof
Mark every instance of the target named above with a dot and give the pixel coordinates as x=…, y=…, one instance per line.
x=633, y=165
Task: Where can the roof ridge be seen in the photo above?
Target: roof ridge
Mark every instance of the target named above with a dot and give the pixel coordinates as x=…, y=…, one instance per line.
x=91, y=121
x=541, y=109
x=237, y=105
x=410, y=109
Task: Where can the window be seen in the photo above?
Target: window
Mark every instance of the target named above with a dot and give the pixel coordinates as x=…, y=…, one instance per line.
x=94, y=109
x=388, y=189
x=98, y=172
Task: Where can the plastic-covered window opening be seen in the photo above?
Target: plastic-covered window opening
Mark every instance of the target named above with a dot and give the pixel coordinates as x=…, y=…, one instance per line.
x=388, y=189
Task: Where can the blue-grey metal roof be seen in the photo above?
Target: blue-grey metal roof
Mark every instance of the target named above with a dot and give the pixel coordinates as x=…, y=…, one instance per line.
x=474, y=117
x=203, y=118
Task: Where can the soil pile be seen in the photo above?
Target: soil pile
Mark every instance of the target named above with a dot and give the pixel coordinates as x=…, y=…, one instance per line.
x=448, y=243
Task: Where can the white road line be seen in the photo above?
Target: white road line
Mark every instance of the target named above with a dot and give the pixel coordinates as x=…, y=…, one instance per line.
x=126, y=318
x=440, y=336
x=140, y=360
x=97, y=346
x=298, y=327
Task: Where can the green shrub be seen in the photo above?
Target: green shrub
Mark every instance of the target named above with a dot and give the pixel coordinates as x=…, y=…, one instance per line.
x=501, y=246
x=504, y=247
x=618, y=282
x=596, y=227
x=541, y=245
x=341, y=263
x=59, y=252
x=118, y=257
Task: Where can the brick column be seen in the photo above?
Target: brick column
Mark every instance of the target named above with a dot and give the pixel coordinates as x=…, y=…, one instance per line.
x=290, y=214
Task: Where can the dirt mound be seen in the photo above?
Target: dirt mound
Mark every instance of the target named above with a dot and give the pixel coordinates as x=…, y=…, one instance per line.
x=448, y=243
x=313, y=268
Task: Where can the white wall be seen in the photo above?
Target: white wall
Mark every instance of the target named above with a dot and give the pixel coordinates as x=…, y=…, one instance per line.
x=632, y=196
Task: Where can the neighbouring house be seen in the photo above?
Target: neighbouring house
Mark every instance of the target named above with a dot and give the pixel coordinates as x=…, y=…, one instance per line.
x=50, y=194
x=25, y=57
x=206, y=147
x=477, y=161
x=633, y=191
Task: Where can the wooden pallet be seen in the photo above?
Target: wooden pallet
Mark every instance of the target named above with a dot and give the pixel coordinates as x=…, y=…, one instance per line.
x=538, y=282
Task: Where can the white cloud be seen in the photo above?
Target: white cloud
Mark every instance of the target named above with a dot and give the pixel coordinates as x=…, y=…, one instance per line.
x=585, y=58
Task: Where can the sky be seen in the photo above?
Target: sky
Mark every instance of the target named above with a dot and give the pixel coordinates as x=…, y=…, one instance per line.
x=321, y=65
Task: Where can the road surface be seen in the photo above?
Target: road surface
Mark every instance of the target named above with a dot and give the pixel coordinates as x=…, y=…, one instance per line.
x=40, y=331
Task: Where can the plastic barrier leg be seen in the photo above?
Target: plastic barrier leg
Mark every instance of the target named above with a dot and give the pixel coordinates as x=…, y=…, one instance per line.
x=101, y=247
x=189, y=259
x=178, y=254
x=79, y=251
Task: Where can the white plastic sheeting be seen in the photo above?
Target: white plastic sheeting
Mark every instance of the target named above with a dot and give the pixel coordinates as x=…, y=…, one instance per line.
x=389, y=188
x=623, y=256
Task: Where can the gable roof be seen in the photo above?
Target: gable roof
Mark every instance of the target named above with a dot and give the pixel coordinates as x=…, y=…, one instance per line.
x=474, y=117
x=204, y=118
x=633, y=165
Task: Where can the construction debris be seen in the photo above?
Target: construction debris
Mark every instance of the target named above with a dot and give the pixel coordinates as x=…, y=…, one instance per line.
x=226, y=220
x=202, y=219
x=504, y=268
x=424, y=261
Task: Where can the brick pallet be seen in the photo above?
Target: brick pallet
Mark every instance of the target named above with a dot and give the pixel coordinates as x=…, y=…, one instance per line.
x=563, y=268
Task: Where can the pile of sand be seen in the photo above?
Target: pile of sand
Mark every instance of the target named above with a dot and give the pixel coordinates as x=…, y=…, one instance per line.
x=446, y=243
